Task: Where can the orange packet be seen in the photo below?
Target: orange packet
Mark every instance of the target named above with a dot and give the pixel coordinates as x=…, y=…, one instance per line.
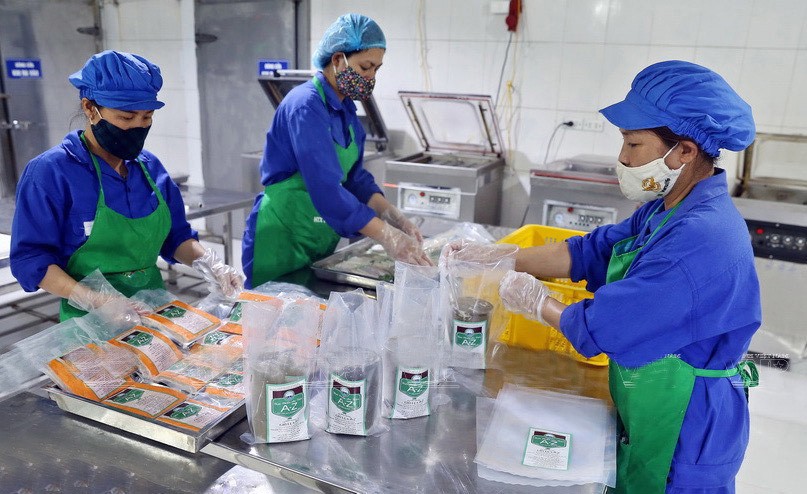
x=81, y=373
x=147, y=400
x=181, y=322
x=155, y=351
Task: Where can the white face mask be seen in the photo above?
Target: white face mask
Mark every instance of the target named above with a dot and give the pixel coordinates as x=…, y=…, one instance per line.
x=647, y=182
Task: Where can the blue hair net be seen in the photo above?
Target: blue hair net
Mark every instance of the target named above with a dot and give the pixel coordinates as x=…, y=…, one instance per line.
x=350, y=32
x=691, y=101
x=119, y=80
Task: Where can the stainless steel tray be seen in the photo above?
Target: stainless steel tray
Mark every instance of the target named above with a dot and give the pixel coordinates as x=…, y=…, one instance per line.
x=141, y=426
x=325, y=268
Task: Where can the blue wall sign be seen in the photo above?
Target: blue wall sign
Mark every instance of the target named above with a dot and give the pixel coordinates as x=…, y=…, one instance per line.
x=29, y=68
x=266, y=67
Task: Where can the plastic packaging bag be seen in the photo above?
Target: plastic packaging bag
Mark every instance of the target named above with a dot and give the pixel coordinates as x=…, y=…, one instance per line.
x=183, y=323
x=470, y=278
x=280, y=343
x=471, y=232
x=556, y=438
x=350, y=361
x=155, y=352
x=93, y=371
x=413, y=350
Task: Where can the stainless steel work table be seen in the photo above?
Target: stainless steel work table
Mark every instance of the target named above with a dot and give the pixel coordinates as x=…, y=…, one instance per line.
x=428, y=454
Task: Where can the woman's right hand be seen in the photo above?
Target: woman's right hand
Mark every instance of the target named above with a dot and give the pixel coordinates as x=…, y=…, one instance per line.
x=402, y=247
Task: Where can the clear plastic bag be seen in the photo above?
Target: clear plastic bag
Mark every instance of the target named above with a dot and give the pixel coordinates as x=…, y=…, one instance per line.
x=350, y=362
x=476, y=317
x=413, y=343
x=544, y=438
x=280, y=344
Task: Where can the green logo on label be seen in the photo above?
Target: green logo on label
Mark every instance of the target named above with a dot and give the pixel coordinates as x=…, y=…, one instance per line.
x=288, y=404
x=235, y=315
x=548, y=440
x=345, y=398
x=468, y=337
x=173, y=312
x=128, y=395
x=228, y=380
x=184, y=411
x=413, y=386
x=138, y=338
x=215, y=338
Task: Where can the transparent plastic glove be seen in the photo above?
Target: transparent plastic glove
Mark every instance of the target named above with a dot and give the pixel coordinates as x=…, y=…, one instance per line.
x=523, y=293
x=482, y=253
x=88, y=300
x=396, y=218
x=221, y=279
x=402, y=247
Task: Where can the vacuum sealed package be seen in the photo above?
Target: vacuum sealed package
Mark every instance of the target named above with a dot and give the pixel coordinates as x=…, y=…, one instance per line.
x=201, y=365
x=233, y=322
x=350, y=361
x=155, y=352
x=410, y=309
x=470, y=277
x=92, y=371
x=147, y=400
x=543, y=438
x=192, y=415
x=280, y=344
x=181, y=322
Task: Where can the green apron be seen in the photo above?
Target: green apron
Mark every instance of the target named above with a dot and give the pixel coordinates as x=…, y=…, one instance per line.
x=651, y=400
x=289, y=232
x=124, y=249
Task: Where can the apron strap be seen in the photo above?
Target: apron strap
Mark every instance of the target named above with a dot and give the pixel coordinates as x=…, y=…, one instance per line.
x=747, y=370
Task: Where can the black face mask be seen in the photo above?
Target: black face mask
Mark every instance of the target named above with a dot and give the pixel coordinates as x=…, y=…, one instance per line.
x=123, y=143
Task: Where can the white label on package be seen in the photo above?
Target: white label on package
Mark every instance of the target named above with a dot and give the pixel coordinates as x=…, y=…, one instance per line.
x=547, y=449
x=190, y=321
x=411, y=393
x=156, y=350
x=346, y=406
x=102, y=383
x=287, y=412
x=146, y=400
x=194, y=415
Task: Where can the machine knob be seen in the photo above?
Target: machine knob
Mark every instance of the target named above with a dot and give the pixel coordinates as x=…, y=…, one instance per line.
x=800, y=241
x=412, y=199
x=559, y=219
x=787, y=240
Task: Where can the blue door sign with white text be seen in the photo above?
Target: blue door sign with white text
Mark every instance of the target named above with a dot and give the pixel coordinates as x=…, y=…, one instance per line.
x=266, y=67
x=27, y=68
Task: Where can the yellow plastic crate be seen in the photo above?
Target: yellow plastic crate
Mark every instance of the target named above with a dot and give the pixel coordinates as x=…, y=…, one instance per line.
x=533, y=335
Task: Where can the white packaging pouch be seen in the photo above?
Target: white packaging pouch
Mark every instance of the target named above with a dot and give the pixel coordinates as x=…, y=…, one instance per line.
x=556, y=438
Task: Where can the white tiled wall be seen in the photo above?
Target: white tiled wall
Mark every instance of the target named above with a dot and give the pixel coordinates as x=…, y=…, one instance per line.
x=572, y=57
x=163, y=32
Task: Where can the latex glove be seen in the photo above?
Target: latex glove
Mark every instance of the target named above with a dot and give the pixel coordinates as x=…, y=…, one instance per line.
x=221, y=279
x=402, y=247
x=88, y=300
x=396, y=218
x=523, y=293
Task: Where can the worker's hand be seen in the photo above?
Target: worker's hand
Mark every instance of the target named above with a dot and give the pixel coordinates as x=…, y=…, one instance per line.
x=88, y=300
x=221, y=279
x=463, y=250
x=402, y=247
x=523, y=293
x=396, y=218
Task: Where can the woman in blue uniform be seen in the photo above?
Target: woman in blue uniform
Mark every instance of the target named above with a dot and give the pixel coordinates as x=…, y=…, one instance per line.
x=316, y=188
x=99, y=201
x=676, y=296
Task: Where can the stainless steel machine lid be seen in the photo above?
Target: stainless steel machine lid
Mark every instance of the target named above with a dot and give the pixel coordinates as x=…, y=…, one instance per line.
x=584, y=167
x=278, y=84
x=454, y=122
x=774, y=168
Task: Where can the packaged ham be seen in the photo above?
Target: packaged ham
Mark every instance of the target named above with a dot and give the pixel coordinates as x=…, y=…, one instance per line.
x=148, y=400
x=92, y=372
x=155, y=351
x=181, y=322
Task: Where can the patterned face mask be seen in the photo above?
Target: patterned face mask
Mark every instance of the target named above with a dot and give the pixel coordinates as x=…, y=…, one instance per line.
x=352, y=84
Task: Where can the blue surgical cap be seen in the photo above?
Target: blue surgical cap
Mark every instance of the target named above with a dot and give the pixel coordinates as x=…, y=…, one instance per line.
x=350, y=32
x=690, y=100
x=119, y=80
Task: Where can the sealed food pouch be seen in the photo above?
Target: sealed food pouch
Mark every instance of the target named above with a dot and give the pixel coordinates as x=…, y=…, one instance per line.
x=280, y=343
x=82, y=372
x=155, y=352
x=350, y=360
x=181, y=322
x=147, y=400
x=192, y=415
x=233, y=322
x=470, y=279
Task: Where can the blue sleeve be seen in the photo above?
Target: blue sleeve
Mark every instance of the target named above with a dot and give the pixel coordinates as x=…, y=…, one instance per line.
x=36, y=231
x=180, y=228
x=319, y=167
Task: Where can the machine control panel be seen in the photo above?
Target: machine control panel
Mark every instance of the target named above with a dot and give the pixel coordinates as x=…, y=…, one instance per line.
x=778, y=241
x=577, y=216
x=428, y=199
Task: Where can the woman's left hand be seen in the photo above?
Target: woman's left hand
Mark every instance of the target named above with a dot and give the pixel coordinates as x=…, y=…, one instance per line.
x=221, y=279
